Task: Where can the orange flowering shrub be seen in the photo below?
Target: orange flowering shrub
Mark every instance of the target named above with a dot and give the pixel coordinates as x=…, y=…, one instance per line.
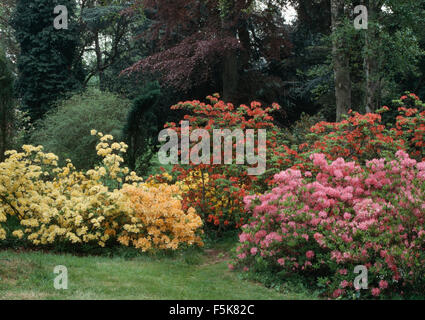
x=364, y=137
x=410, y=125
x=359, y=137
x=159, y=220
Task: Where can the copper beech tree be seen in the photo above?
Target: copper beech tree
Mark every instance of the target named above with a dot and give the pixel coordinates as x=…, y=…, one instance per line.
x=220, y=43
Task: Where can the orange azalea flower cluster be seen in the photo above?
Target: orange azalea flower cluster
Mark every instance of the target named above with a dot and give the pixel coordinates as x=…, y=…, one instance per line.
x=159, y=220
x=363, y=137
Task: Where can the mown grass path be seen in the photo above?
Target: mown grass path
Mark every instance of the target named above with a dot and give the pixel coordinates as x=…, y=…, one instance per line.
x=29, y=275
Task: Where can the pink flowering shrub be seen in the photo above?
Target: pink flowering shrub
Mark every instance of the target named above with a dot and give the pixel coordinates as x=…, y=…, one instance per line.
x=323, y=223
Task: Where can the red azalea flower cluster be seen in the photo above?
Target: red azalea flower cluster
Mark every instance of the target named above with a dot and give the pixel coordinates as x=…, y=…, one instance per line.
x=217, y=191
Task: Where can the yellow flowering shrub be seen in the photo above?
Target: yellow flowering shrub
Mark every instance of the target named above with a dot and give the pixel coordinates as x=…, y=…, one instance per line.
x=55, y=204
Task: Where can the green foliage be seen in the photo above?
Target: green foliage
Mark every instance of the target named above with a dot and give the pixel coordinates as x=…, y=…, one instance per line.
x=298, y=132
x=22, y=129
x=48, y=63
x=157, y=168
x=110, y=44
x=6, y=81
x=393, y=42
x=6, y=31
x=101, y=17
x=65, y=130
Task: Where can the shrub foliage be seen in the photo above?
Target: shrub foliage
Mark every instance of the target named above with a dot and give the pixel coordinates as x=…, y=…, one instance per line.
x=64, y=129
x=57, y=204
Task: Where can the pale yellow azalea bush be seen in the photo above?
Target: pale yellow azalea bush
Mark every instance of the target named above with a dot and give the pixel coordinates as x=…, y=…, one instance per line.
x=62, y=204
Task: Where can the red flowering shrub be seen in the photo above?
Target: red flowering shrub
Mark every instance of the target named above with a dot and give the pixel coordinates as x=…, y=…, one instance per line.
x=216, y=190
x=410, y=125
x=364, y=137
x=359, y=137
x=322, y=224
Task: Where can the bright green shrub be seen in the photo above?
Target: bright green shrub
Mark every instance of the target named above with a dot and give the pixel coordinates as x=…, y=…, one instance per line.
x=65, y=130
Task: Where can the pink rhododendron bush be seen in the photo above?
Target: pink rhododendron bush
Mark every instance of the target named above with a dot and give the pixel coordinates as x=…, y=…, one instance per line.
x=322, y=223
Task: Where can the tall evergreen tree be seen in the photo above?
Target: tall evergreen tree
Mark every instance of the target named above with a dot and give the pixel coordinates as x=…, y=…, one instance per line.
x=142, y=128
x=47, y=66
x=6, y=104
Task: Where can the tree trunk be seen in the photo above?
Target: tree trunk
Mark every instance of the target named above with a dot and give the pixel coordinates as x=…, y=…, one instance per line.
x=230, y=78
x=245, y=40
x=371, y=61
x=341, y=63
x=99, y=61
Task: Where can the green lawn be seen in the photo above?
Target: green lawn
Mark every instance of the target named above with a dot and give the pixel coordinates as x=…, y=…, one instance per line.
x=203, y=276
